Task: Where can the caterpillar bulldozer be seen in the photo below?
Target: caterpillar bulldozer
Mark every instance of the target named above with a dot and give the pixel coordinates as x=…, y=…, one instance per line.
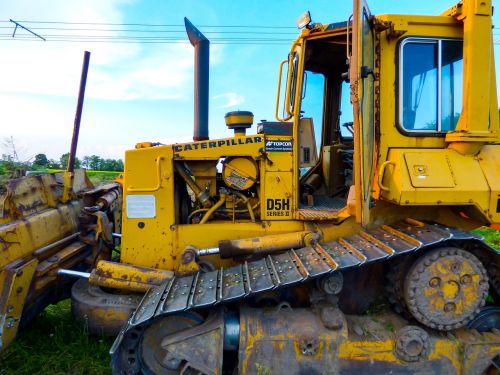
x=276, y=251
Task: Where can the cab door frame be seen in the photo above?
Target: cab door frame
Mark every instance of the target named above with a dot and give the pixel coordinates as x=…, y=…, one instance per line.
x=362, y=82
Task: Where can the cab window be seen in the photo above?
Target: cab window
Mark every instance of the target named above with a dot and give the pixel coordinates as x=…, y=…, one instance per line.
x=312, y=101
x=430, y=84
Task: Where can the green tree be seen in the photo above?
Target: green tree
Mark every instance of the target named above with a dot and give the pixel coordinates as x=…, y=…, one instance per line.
x=64, y=161
x=52, y=164
x=119, y=165
x=95, y=162
x=41, y=159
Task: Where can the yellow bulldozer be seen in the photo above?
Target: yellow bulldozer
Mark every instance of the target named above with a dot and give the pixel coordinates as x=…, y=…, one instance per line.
x=271, y=252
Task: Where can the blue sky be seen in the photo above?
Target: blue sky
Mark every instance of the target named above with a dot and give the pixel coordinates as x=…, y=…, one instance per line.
x=143, y=92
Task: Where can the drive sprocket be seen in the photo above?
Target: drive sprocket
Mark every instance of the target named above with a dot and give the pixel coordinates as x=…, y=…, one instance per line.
x=446, y=288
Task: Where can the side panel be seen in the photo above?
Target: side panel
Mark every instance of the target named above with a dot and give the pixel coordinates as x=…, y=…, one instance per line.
x=147, y=238
x=277, y=185
x=435, y=177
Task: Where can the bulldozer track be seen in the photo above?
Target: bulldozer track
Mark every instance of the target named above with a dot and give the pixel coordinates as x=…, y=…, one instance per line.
x=292, y=267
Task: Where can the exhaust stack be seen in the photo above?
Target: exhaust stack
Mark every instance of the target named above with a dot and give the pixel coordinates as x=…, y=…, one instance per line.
x=201, y=78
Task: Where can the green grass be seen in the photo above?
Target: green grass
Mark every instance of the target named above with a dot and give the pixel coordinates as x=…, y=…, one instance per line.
x=101, y=177
x=54, y=344
x=491, y=236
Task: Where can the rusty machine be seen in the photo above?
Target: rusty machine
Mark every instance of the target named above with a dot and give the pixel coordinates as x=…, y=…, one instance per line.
x=275, y=251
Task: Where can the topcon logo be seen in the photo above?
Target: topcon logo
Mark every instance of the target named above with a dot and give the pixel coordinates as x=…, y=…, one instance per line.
x=279, y=145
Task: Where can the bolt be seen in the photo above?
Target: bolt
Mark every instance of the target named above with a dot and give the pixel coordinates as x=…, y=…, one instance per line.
x=449, y=307
x=10, y=323
x=434, y=282
x=455, y=268
x=19, y=289
x=466, y=279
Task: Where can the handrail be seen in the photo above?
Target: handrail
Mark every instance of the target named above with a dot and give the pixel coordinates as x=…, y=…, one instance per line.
x=289, y=80
x=279, y=92
x=158, y=179
x=381, y=174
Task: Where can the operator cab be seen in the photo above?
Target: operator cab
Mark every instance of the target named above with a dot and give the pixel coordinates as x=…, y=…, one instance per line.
x=325, y=125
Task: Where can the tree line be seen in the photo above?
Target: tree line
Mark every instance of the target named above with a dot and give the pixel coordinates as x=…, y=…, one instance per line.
x=92, y=162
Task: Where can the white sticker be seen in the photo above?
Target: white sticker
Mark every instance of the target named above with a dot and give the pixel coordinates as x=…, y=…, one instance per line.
x=141, y=206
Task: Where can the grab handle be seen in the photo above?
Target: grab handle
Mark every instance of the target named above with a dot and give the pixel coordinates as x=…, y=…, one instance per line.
x=381, y=174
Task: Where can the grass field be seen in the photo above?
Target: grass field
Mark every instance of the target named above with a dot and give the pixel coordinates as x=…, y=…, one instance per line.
x=54, y=344
x=97, y=177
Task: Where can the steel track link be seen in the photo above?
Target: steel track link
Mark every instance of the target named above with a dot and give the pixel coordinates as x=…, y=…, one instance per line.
x=286, y=269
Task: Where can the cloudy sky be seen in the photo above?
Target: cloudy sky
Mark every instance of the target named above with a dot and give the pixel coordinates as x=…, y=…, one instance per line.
x=138, y=91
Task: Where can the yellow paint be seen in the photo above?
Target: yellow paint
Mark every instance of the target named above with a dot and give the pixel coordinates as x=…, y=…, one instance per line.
x=127, y=277
x=449, y=179
x=384, y=351
x=419, y=170
x=479, y=75
x=13, y=291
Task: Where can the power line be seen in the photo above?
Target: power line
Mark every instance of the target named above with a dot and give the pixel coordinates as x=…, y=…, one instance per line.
x=142, y=42
x=101, y=32
x=158, y=31
x=153, y=25
x=180, y=38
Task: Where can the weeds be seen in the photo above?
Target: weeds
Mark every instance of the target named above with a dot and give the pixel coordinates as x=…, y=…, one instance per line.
x=54, y=344
x=491, y=236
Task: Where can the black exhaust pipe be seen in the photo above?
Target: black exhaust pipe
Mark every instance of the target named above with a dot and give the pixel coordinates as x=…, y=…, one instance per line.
x=201, y=61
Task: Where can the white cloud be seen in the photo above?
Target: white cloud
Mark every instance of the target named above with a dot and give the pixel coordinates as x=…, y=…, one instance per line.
x=232, y=99
x=118, y=71
x=39, y=85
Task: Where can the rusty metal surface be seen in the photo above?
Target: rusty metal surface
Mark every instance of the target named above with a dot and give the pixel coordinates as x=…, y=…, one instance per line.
x=310, y=214
x=205, y=290
x=317, y=340
x=38, y=226
x=127, y=277
x=258, y=276
x=445, y=288
x=313, y=262
x=15, y=280
x=56, y=260
x=238, y=282
x=232, y=285
x=286, y=270
x=100, y=311
x=370, y=250
x=272, y=340
x=396, y=243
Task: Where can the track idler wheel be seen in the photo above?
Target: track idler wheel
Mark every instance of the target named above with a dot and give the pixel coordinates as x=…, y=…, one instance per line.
x=141, y=351
x=446, y=288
